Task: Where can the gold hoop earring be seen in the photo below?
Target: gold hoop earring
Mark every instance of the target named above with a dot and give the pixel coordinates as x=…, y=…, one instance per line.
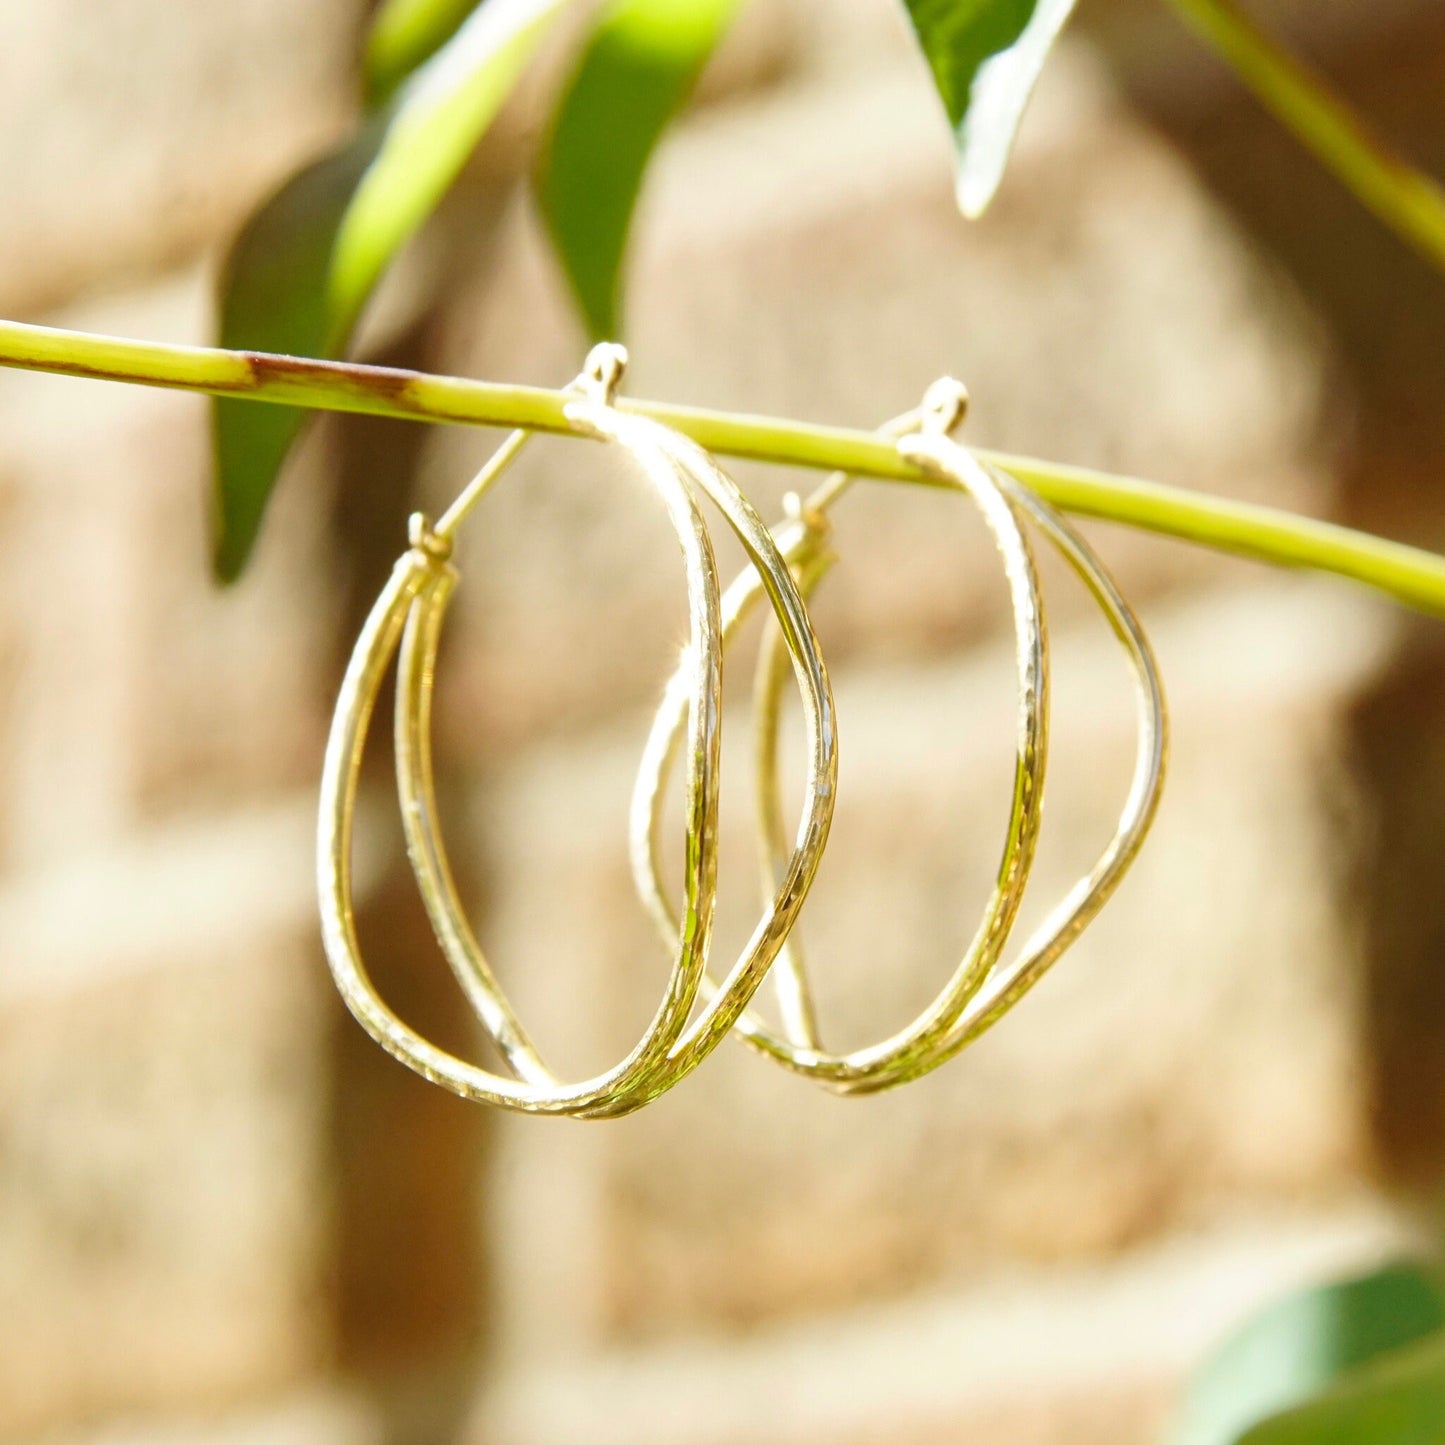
x=409, y=612
x=1007, y=983
x=910, y=1047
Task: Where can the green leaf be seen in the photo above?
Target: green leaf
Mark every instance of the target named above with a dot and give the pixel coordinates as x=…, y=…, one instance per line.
x=1297, y=1347
x=635, y=73
x=273, y=298
x=404, y=33
x=307, y=262
x=986, y=56
x=1399, y=1400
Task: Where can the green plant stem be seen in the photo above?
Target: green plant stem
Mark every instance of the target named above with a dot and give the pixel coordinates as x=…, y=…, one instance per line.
x=1409, y=202
x=1408, y=574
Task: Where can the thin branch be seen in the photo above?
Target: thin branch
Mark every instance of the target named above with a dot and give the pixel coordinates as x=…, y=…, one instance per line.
x=1405, y=199
x=1408, y=574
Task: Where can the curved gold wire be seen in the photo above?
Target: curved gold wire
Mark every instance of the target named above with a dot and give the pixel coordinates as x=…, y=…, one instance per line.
x=423, y=579
x=422, y=828
x=911, y=1046
x=810, y=560
x=415, y=605
x=795, y=870
x=1081, y=904
x=1062, y=925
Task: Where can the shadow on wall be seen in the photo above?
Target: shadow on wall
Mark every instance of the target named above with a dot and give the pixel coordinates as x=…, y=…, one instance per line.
x=1399, y=756
x=408, y=1292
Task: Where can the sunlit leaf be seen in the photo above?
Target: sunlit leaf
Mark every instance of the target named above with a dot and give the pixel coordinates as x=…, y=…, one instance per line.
x=1300, y=1345
x=986, y=56
x=635, y=73
x=404, y=33
x=306, y=264
x=1398, y=1400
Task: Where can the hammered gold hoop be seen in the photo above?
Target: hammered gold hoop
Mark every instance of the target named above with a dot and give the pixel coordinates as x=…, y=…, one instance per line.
x=1007, y=983
x=409, y=614
x=981, y=989
x=802, y=540
x=1062, y=925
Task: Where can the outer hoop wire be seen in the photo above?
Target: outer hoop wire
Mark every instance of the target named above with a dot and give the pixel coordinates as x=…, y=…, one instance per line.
x=850, y=1071
x=1081, y=904
x=802, y=544
x=811, y=560
x=414, y=575
x=794, y=876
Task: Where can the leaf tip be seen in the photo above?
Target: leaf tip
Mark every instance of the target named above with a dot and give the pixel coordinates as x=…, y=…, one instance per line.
x=973, y=195
x=228, y=556
x=980, y=171
x=233, y=534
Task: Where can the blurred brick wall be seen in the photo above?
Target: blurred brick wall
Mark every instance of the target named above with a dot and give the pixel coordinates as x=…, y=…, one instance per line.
x=224, y=1213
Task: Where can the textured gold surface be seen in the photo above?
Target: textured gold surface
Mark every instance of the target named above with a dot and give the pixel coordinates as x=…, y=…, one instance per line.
x=408, y=617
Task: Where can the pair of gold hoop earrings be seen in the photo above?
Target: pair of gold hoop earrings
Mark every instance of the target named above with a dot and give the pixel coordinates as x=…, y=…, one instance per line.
x=785, y=566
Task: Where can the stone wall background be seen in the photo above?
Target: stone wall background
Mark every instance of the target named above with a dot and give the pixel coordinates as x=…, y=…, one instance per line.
x=225, y=1215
